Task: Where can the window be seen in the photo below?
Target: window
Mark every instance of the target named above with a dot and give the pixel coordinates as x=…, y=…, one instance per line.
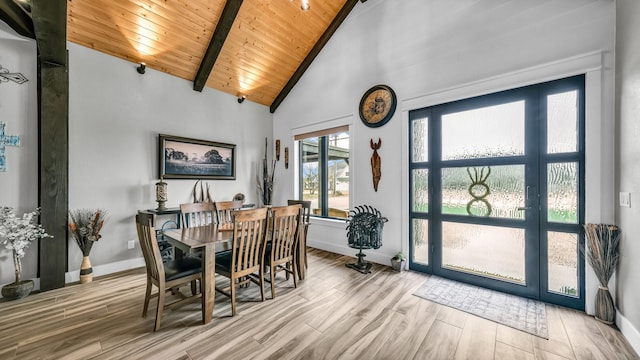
x=323, y=171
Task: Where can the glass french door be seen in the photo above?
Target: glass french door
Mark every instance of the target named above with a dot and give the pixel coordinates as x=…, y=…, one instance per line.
x=497, y=191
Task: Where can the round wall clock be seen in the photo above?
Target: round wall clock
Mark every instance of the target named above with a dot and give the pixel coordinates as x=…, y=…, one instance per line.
x=377, y=105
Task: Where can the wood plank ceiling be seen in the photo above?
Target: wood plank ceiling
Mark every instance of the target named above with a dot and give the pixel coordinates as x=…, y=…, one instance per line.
x=266, y=45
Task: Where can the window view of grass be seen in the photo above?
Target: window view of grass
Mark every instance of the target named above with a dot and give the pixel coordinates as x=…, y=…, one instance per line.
x=494, y=251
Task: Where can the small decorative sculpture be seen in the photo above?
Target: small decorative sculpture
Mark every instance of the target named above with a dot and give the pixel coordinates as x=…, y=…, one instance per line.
x=479, y=190
x=364, y=231
x=376, y=163
x=277, y=150
x=161, y=194
x=202, y=196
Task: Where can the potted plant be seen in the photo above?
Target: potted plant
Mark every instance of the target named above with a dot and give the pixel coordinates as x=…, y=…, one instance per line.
x=16, y=234
x=398, y=262
x=602, y=242
x=85, y=226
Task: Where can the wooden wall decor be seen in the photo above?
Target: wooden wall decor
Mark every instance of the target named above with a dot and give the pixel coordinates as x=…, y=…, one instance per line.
x=286, y=158
x=277, y=150
x=376, y=163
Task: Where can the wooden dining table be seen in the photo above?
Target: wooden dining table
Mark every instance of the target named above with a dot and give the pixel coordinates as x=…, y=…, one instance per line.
x=211, y=239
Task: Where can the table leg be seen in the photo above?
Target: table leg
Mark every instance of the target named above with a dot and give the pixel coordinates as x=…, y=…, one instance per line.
x=208, y=285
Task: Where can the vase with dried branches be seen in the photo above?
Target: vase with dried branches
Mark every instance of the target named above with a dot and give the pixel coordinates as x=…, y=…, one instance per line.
x=265, y=184
x=602, y=243
x=85, y=226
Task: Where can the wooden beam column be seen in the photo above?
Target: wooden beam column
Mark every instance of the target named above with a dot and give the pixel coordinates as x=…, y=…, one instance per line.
x=53, y=109
x=50, y=25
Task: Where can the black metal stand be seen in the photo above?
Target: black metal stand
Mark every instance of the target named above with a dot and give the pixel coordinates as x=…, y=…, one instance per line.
x=361, y=266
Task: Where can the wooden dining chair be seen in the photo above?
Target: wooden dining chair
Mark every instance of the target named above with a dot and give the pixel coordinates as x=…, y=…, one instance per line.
x=197, y=214
x=224, y=209
x=302, y=264
x=165, y=276
x=281, y=249
x=244, y=260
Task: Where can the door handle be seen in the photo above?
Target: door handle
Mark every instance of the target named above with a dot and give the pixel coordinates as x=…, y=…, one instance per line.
x=522, y=208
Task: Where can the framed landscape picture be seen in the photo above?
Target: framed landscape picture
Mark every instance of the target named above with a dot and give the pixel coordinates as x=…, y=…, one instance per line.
x=184, y=158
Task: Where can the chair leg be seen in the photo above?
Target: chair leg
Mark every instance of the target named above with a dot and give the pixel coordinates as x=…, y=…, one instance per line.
x=233, y=297
x=261, y=273
x=147, y=297
x=293, y=272
x=161, y=293
x=272, y=270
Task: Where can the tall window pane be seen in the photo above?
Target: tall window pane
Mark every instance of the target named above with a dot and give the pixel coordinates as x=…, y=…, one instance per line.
x=311, y=171
x=562, y=122
x=420, y=134
x=563, y=263
x=338, y=175
x=562, y=183
x=324, y=174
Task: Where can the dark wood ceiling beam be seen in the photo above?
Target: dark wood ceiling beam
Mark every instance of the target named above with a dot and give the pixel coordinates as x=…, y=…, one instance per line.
x=12, y=14
x=324, y=39
x=227, y=18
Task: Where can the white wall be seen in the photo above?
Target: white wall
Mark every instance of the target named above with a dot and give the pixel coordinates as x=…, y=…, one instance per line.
x=628, y=173
x=18, y=109
x=115, y=116
x=428, y=47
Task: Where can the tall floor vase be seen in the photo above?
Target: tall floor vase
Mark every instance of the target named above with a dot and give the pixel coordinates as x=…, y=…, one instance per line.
x=86, y=271
x=604, y=309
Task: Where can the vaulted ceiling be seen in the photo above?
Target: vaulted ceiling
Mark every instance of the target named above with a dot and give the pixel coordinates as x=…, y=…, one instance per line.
x=253, y=48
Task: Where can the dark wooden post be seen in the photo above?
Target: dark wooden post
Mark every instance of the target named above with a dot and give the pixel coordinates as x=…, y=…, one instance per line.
x=50, y=25
x=53, y=90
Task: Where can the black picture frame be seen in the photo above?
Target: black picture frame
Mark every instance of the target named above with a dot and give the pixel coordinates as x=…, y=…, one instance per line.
x=185, y=158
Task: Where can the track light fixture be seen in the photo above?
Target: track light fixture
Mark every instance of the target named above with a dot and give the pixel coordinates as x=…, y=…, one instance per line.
x=141, y=68
x=241, y=99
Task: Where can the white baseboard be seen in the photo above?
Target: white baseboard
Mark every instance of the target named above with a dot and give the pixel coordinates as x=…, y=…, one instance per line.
x=372, y=255
x=629, y=331
x=73, y=276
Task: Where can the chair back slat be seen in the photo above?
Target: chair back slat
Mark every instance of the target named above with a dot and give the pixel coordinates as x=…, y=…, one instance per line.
x=286, y=227
x=224, y=211
x=306, y=208
x=149, y=246
x=249, y=229
x=197, y=214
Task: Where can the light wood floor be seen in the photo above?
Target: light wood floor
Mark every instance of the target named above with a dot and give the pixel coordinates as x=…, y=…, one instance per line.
x=335, y=313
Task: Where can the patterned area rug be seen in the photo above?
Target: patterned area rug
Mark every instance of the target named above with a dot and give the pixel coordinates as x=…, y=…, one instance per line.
x=510, y=310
